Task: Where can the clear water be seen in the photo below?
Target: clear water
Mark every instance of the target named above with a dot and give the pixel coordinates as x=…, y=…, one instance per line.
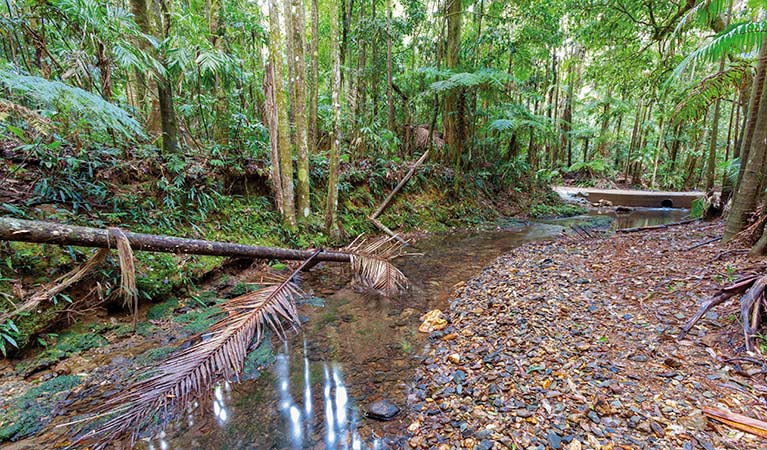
x=356, y=349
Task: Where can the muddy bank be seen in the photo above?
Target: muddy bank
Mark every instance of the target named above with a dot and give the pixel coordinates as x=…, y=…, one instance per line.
x=572, y=345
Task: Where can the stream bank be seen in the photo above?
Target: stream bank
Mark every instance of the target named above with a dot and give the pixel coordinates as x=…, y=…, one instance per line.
x=572, y=345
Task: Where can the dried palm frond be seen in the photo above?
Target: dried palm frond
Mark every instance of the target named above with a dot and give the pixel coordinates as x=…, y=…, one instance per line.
x=127, y=272
x=371, y=266
x=188, y=375
x=70, y=278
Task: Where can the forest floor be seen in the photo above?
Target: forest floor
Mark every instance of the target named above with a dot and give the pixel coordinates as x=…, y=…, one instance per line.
x=573, y=345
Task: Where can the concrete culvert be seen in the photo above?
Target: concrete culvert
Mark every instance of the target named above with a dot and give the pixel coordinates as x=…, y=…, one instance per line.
x=667, y=203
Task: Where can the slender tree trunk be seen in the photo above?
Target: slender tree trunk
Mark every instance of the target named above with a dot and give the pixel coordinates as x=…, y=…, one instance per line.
x=274, y=132
x=658, y=151
x=164, y=89
x=732, y=139
x=281, y=107
x=389, y=76
x=331, y=210
x=314, y=81
x=453, y=97
x=298, y=102
x=745, y=200
x=711, y=163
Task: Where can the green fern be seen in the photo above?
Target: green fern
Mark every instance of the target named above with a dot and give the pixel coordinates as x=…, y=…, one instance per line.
x=45, y=94
x=702, y=95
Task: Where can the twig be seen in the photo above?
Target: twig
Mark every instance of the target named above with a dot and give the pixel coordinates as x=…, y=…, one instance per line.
x=710, y=241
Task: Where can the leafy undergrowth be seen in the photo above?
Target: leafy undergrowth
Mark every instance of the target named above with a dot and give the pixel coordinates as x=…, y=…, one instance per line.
x=573, y=344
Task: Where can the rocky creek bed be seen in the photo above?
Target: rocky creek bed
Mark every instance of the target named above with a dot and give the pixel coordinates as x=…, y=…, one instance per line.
x=573, y=345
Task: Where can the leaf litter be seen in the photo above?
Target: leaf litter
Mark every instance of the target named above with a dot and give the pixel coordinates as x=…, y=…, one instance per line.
x=573, y=345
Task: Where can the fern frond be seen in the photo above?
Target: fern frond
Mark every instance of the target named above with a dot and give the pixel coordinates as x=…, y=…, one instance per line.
x=100, y=114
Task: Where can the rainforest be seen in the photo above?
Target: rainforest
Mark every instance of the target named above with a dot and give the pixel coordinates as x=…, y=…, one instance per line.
x=383, y=224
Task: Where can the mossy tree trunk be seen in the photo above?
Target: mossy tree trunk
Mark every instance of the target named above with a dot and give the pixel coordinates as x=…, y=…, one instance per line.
x=331, y=209
x=283, y=126
x=298, y=103
x=454, y=97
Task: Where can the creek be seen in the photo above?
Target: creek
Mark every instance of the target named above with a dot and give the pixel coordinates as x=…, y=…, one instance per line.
x=358, y=348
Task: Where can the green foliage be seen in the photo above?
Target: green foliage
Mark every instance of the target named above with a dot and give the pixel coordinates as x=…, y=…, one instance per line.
x=698, y=99
x=556, y=210
x=9, y=333
x=68, y=103
x=696, y=211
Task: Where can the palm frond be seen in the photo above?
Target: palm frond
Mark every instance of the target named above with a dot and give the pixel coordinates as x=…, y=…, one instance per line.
x=217, y=356
x=702, y=14
x=371, y=266
x=127, y=272
x=744, y=37
x=704, y=93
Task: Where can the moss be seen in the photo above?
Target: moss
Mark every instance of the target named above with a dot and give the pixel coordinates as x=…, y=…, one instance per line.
x=198, y=321
x=154, y=355
x=262, y=356
x=30, y=412
x=162, y=310
x=556, y=210
x=71, y=343
x=142, y=329
x=68, y=344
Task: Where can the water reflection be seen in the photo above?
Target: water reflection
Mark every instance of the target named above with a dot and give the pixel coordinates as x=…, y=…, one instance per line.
x=340, y=429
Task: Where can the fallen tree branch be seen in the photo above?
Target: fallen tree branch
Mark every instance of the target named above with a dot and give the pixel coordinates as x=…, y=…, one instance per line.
x=724, y=294
x=54, y=233
x=709, y=241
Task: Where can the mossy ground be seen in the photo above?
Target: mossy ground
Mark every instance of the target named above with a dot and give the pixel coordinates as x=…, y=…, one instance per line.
x=28, y=413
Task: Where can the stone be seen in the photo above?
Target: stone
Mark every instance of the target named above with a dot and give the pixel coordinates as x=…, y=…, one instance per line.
x=382, y=410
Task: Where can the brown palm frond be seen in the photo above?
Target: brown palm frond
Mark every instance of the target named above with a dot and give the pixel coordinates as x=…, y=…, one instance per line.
x=371, y=266
x=127, y=272
x=188, y=375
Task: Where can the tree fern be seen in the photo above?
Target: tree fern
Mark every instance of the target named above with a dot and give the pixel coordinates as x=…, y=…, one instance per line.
x=703, y=94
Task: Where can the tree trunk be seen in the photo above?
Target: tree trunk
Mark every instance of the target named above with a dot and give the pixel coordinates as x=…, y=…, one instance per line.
x=281, y=107
x=314, y=81
x=53, y=233
x=331, y=209
x=274, y=140
x=164, y=90
x=453, y=98
x=745, y=200
x=389, y=76
x=757, y=90
x=298, y=104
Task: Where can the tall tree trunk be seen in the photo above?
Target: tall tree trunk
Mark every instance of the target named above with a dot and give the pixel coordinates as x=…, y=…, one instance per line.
x=757, y=91
x=314, y=81
x=453, y=98
x=298, y=103
x=711, y=163
x=164, y=89
x=331, y=210
x=389, y=75
x=745, y=200
x=658, y=151
x=283, y=126
x=602, y=147
x=274, y=135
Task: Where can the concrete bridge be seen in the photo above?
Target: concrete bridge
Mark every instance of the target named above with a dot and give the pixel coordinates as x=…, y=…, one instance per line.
x=632, y=198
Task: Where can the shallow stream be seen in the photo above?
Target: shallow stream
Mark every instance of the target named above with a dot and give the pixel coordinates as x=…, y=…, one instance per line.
x=359, y=348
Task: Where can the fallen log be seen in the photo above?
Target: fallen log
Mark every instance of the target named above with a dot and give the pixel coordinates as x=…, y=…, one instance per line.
x=54, y=233
x=656, y=227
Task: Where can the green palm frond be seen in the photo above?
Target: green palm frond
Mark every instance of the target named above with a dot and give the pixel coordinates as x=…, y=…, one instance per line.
x=703, y=94
x=188, y=375
x=702, y=14
x=745, y=37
